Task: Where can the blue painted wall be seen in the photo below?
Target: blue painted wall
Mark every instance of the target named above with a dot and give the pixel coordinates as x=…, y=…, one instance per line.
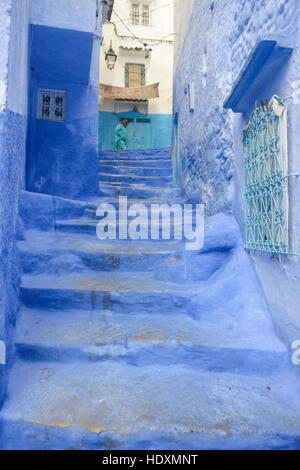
x=28, y=148
x=14, y=19
x=62, y=157
x=77, y=15
x=160, y=130
x=210, y=151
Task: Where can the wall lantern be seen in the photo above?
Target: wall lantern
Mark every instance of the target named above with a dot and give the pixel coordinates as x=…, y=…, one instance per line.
x=111, y=58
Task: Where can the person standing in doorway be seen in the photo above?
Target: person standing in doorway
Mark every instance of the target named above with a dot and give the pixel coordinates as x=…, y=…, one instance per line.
x=121, y=135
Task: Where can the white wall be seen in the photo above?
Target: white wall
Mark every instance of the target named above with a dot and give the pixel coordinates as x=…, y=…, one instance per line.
x=17, y=99
x=79, y=15
x=182, y=14
x=159, y=66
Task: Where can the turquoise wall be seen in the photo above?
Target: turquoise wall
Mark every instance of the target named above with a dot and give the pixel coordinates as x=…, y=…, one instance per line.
x=156, y=134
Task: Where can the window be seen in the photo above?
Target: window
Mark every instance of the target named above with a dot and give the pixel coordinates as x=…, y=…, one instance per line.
x=140, y=13
x=134, y=75
x=145, y=15
x=52, y=105
x=266, y=179
x=135, y=13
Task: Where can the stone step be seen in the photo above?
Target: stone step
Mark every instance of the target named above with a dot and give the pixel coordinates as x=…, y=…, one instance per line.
x=56, y=253
x=82, y=405
x=125, y=168
x=66, y=261
x=60, y=262
x=129, y=179
x=40, y=211
x=61, y=253
x=89, y=226
x=49, y=209
x=138, y=186
x=39, y=242
x=145, y=154
x=91, y=213
x=127, y=292
x=156, y=164
x=152, y=205
x=142, y=192
x=144, y=340
x=79, y=226
x=246, y=362
x=116, y=291
x=162, y=266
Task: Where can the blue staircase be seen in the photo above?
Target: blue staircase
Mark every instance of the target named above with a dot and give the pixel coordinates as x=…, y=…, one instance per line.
x=142, y=344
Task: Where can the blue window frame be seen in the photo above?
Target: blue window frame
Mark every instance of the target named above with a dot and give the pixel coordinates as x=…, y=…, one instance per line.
x=135, y=75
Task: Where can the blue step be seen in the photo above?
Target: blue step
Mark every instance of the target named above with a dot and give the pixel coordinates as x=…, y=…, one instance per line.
x=156, y=164
x=125, y=168
x=145, y=340
x=119, y=292
x=145, y=154
x=81, y=404
x=142, y=344
x=89, y=226
x=132, y=179
x=61, y=261
x=62, y=253
x=140, y=191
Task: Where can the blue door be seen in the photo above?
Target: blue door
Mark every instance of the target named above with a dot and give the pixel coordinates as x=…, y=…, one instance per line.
x=142, y=134
x=139, y=130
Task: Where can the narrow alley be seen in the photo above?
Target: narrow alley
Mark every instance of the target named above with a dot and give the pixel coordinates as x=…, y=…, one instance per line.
x=149, y=228
x=123, y=344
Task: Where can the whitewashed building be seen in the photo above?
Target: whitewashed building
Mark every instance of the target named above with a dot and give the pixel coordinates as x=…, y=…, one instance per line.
x=138, y=86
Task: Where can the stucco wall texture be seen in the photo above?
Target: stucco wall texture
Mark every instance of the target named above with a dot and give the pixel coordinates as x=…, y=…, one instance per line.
x=78, y=19
x=57, y=153
x=13, y=109
x=181, y=24
x=220, y=40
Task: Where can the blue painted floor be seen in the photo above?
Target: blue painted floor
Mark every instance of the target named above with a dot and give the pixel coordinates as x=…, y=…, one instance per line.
x=141, y=344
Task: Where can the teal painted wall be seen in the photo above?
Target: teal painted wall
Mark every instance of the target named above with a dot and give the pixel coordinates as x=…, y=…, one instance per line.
x=156, y=134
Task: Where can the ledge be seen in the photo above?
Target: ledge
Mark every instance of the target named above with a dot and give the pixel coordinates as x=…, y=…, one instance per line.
x=262, y=66
x=142, y=93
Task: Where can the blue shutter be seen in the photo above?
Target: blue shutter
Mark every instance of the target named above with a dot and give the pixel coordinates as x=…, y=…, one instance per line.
x=126, y=76
x=143, y=75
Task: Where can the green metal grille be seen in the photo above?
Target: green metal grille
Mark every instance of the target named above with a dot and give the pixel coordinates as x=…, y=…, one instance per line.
x=265, y=182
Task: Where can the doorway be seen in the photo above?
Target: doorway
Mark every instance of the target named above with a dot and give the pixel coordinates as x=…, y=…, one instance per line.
x=139, y=132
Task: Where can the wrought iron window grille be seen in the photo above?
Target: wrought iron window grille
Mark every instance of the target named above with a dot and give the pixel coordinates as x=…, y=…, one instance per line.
x=52, y=105
x=266, y=178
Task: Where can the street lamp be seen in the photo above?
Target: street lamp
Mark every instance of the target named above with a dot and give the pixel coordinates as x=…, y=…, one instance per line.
x=111, y=58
